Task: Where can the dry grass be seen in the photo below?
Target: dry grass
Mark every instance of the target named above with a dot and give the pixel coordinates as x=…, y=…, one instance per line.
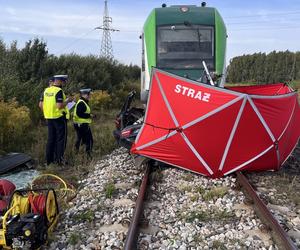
x=78, y=164
x=102, y=129
x=208, y=215
x=215, y=193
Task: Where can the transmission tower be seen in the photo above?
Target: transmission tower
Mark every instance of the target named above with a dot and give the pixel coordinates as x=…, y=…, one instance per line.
x=106, y=44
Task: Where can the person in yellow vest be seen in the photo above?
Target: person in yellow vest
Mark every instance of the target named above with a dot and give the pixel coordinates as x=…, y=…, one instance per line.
x=82, y=119
x=53, y=103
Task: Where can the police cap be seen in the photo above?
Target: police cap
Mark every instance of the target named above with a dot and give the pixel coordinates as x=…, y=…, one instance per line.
x=85, y=91
x=63, y=78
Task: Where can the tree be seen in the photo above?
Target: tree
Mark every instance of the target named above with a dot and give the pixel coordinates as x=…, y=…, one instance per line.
x=264, y=68
x=31, y=61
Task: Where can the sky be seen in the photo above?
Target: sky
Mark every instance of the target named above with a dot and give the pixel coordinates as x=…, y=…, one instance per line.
x=68, y=25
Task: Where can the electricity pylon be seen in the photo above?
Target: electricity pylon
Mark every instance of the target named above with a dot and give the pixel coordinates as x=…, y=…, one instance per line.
x=106, y=44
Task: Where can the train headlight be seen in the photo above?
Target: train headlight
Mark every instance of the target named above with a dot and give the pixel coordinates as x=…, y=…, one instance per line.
x=184, y=9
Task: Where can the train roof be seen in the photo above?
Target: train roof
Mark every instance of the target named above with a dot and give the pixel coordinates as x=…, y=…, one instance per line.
x=178, y=14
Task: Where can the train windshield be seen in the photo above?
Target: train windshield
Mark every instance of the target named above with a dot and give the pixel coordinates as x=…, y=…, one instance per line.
x=185, y=47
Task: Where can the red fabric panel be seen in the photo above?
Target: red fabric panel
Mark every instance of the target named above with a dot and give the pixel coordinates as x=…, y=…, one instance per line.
x=210, y=136
x=250, y=139
x=161, y=119
x=265, y=89
x=174, y=151
x=276, y=112
x=268, y=161
x=193, y=108
x=291, y=136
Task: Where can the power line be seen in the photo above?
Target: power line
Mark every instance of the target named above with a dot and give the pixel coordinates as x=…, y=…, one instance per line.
x=267, y=14
x=266, y=28
x=106, y=39
x=262, y=21
x=75, y=41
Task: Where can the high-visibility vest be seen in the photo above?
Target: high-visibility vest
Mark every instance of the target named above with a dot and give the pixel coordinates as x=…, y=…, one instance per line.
x=80, y=120
x=51, y=111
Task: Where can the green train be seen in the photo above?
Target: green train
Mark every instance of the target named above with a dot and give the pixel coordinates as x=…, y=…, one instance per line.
x=178, y=38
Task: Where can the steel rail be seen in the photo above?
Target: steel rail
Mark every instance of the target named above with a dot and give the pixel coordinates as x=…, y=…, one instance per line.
x=279, y=235
x=133, y=231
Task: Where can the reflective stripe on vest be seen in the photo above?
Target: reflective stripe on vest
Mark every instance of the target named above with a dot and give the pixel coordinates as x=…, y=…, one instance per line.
x=51, y=111
x=77, y=119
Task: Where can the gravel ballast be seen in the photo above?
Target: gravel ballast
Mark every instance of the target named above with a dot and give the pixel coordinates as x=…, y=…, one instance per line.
x=182, y=211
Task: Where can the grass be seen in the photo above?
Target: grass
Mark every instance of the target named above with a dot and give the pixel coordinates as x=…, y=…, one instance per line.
x=286, y=183
x=102, y=128
x=295, y=84
x=215, y=193
x=200, y=190
x=186, y=188
x=78, y=164
x=200, y=215
x=87, y=215
x=217, y=244
x=208, y=215
x=110, y=190
x=188, y=177
x=207, y=195
x=194, y=197
x=74, y=238
x=198, y=239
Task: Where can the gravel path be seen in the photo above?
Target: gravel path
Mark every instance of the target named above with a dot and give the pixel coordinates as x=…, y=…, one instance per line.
x=183, y=211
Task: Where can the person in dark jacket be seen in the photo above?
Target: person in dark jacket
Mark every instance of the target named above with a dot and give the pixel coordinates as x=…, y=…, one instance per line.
x=82, y=120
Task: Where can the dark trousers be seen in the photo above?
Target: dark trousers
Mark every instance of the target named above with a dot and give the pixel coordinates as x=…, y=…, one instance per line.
x=84, y=136
x=57, y=140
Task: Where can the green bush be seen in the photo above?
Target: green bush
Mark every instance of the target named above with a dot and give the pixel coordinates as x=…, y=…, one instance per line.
x=14, y=124
x=100, y=100
x=24, y=73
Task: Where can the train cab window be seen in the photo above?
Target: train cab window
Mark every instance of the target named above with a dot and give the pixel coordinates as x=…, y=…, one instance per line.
x=185, y=47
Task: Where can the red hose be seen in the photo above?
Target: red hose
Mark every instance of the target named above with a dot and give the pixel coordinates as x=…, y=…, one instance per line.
x=38, y=203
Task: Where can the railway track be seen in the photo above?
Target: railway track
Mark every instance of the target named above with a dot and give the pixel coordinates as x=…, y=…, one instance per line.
x=283, y=241
x=179, y=210
x=278, y=233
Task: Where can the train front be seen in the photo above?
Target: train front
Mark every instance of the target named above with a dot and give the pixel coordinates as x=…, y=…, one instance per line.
x=178, y=38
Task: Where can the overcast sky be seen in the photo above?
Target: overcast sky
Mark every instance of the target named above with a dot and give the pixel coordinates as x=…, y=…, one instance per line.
x=68, y=25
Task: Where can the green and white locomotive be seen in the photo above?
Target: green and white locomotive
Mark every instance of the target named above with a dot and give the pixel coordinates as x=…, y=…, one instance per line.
x=179, y=38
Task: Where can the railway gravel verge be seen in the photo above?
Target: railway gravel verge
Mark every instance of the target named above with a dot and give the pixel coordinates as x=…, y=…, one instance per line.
x=182, y=211
x=280, y=191
x=188, y=211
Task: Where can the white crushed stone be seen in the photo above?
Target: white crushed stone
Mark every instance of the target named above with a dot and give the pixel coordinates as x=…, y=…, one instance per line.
x=181, y=211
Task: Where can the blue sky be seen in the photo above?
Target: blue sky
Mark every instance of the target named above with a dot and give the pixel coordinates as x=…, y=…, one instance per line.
x=68, y=26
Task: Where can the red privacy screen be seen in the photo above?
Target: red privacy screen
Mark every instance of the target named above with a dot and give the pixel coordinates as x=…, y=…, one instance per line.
x=215, y=131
